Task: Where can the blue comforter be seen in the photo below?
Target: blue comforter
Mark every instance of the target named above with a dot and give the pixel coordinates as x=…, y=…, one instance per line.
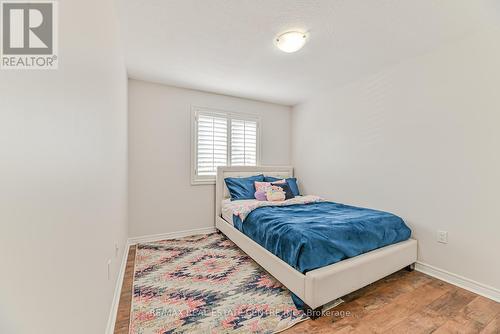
x=310, y=236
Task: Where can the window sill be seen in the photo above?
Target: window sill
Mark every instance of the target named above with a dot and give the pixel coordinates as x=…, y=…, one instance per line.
x=201, y=182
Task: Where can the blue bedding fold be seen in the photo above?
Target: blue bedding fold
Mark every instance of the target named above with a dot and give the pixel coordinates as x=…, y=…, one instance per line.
x=310, y=236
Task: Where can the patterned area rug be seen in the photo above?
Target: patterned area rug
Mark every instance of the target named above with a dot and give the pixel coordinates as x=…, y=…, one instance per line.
x=206, y=284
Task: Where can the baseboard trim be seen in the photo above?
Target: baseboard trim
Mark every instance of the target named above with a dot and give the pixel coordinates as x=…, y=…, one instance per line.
x=170, y=235
x=118, y=290
x=460, y=281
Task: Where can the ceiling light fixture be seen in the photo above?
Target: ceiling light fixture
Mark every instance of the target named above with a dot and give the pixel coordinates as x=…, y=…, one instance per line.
x=290, y=41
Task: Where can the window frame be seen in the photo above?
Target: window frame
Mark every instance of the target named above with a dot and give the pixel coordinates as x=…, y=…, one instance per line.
x=229, y=115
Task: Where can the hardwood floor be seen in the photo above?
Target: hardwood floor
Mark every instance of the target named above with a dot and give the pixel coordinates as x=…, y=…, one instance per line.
x=409, y=303
x=403, y=302
x=123, y=315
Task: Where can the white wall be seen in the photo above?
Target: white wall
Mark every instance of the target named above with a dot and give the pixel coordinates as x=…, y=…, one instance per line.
x=161, y=197
x=63, y=179
x=420, y=139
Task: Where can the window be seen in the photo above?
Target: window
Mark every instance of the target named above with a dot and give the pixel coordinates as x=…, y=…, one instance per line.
x=243, y=142
x=222, y=139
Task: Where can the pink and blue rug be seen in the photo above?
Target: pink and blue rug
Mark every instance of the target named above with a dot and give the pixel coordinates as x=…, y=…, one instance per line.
x=206, y=284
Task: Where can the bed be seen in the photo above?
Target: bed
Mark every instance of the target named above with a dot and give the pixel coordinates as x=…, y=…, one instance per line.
x=312, y=279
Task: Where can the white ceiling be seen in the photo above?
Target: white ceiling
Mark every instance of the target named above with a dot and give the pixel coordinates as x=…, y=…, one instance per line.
x=226, y=46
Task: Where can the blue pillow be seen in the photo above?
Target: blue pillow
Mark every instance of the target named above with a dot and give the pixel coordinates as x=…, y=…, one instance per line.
x=271, y=179
x=292, y=183
x=242, y=187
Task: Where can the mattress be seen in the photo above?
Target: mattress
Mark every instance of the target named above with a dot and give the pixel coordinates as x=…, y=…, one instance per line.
x=228, y=207
x=314, y=235
x=231, y=210
x=227, y=211
x=310, y=233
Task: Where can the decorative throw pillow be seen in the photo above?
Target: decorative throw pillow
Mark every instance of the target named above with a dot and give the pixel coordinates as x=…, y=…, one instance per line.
x=261, y=186
x=292, y=182
x=265, y=185
x=275, y=193
x=242, y=187
x=286, y=189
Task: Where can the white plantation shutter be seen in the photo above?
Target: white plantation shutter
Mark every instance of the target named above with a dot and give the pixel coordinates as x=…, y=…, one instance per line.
x=243, y=142
x=222, y=139
x=212, y=144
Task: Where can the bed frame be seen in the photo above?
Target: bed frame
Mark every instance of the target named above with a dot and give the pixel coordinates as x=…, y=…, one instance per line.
x=320, y=286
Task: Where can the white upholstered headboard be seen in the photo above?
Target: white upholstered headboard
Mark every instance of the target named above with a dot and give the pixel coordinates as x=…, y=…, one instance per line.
x=221, y=191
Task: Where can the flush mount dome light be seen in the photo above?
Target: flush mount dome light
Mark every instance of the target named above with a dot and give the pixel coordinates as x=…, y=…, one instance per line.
x=290, y=41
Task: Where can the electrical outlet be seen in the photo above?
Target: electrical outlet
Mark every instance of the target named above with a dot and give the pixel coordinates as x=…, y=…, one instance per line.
x=442, y=237
x=109, y=270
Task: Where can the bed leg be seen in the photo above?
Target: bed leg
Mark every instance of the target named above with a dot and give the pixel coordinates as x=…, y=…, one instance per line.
x=313, y=313
x=410, y=267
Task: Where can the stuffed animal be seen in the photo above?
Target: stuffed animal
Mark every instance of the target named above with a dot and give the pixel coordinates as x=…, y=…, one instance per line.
x=275, y=194
x=260, y=195
x=261, y=189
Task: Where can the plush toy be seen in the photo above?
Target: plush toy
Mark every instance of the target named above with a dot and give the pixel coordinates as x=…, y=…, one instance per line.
x=275, y=193
x=260, y=195
x=262, y=187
